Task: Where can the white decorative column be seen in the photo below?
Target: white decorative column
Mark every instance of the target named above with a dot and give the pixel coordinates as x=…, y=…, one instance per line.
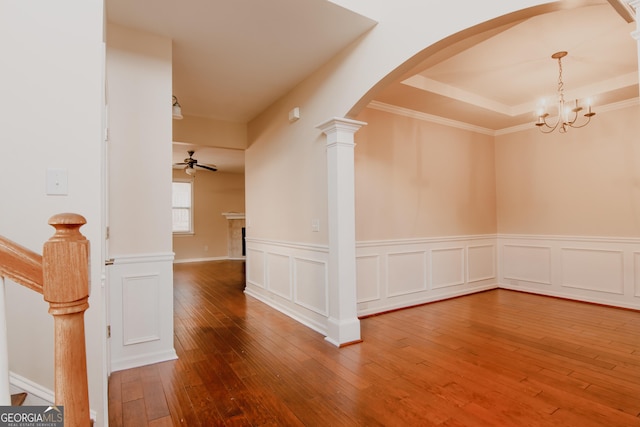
x=343, y=324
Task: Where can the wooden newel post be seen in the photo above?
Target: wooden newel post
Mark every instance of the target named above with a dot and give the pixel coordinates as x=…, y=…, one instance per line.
x=65, y=263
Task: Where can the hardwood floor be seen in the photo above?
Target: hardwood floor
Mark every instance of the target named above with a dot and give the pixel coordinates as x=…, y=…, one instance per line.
x=497, y=358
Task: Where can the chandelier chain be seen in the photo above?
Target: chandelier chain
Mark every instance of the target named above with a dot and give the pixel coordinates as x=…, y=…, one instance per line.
x=560, y=82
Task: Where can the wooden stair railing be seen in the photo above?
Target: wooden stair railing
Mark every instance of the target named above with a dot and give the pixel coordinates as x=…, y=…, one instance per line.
x=61, y=275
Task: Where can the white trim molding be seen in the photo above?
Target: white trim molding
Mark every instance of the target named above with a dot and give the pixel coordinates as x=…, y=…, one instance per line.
x=292, y=278
x=233, y=215
x=395, y=274
x=141, y=317
x=602, y=270
x=400, y=273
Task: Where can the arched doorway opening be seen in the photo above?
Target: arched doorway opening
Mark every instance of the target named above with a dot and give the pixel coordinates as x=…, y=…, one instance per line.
x=451, y=172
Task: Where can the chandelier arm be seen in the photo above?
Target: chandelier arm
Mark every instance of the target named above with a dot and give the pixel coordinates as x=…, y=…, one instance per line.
x=575, y=118
x=582, y=125
x=551, y=128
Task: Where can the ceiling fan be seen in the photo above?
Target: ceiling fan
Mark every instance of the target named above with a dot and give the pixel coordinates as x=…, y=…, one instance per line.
x=191, y=163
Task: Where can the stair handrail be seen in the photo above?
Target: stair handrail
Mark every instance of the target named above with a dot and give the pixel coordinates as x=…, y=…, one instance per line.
x=20, y=265
x=61, y=275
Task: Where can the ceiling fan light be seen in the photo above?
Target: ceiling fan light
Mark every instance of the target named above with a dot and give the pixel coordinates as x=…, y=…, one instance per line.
x=190, y=171
x=176, y=109
x=177, y=112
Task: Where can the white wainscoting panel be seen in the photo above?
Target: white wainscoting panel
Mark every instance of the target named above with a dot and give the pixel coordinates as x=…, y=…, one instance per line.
x=368, y=277
x=394, y=274
x=141, y=308
x=279, y=275
x=593, y=269
x=636, y=274
x=528, y=263
x=481, y=263
x=448, y=267
x=290, y=277
x=255, y=269
x=310, y=277
x=141, y=316
x=406, y=273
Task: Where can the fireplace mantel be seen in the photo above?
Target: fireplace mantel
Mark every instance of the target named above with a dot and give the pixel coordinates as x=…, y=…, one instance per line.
x=235, y=236
x=233, y=215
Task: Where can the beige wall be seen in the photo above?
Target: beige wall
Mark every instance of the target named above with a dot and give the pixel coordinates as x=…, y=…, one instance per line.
x=420, y=179
x=286, y=163
x=582, y=183
x=214, y=193
x=210, y=132
x=139, y=73
x=139, y=77
x=51, y=116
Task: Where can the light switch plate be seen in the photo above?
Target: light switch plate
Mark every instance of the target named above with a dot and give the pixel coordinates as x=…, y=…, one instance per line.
x=57, y=182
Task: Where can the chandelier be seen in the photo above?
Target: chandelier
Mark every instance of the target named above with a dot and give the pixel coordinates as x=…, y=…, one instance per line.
x=567, y=116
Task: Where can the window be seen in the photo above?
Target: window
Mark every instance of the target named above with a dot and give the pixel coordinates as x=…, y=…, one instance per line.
x=182, y=207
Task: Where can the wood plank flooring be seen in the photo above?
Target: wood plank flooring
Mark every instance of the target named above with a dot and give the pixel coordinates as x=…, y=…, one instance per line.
x=497, y=358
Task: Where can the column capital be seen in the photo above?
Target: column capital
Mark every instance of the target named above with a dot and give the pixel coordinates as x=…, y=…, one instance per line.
x=340, y=130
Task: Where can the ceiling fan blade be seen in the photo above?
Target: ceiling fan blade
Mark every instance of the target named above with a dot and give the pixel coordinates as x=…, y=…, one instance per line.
x=180, y=164
x=211, y=168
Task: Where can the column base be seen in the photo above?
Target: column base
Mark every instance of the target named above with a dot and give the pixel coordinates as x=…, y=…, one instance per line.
x=343, y=332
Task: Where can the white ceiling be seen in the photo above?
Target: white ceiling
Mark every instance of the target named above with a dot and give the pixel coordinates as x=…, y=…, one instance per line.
x=500, y=81
x=233, y=58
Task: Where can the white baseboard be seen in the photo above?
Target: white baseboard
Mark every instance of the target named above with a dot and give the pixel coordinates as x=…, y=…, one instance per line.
x=569, y=296
x=293, y=313
x=36, y=394
x=142, y=360
x=222, y=258
x=428, y=299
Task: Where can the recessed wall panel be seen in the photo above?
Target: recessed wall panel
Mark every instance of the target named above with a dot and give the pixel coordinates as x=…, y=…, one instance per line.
x=255, y=267
x=311, y=284
x=481, y=263
x=406, y=273
x=593, y=269
x=636, y=274
x=141, y=309
x=527, y=263
x=368, y=278
x=447, y=267
x=279, y=275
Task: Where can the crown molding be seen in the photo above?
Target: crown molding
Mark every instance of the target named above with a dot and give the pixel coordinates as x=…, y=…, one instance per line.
x=406, y=112
x=625, y=8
